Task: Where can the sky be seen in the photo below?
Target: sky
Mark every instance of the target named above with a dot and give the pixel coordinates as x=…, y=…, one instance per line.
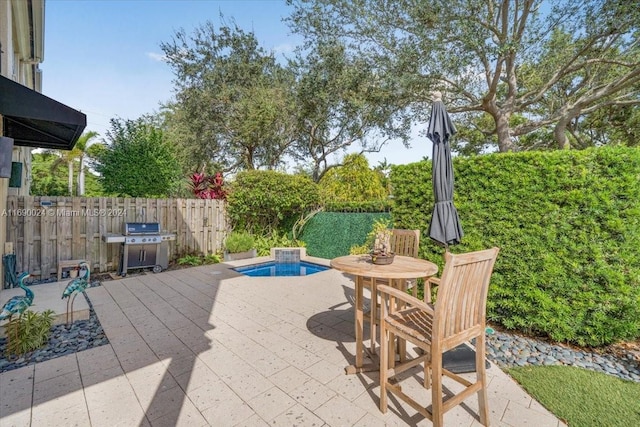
x=103, y=57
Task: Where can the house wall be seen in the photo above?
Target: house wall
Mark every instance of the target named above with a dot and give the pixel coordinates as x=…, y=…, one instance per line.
x=21, y=51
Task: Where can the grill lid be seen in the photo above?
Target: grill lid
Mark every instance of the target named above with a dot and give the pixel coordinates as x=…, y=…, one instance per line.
x=141, y=228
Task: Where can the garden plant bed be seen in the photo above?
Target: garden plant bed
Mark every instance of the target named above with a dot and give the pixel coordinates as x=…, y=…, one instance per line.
x=64, y=339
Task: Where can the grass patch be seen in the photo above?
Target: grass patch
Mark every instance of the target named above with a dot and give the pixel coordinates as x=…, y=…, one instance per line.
x=582, y=397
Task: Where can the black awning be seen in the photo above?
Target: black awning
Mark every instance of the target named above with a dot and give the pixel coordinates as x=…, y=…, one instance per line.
x=35, y=120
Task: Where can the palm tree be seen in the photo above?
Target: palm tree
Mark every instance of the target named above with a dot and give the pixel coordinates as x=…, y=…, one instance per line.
x=82, y=146
x=79, y=152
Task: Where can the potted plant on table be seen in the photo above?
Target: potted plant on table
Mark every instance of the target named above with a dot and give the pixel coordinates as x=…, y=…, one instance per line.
x=239, y=245
x=381, y=253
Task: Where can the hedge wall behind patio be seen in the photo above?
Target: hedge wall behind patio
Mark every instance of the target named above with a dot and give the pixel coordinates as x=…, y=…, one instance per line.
x=331, y=234
x=568, y=225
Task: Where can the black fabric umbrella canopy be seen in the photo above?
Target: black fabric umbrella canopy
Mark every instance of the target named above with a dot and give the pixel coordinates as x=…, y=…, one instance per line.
x=445, y=225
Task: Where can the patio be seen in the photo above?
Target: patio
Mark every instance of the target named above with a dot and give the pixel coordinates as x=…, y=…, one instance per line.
x=208, y=346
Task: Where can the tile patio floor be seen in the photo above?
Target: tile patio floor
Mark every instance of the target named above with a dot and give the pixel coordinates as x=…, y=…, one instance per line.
x=207, y=346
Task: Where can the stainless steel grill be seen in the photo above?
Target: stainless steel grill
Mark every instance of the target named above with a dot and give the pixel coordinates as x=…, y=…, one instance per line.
x=143, y=246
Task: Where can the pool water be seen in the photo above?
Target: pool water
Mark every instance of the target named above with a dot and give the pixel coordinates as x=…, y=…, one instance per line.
x=272, y=268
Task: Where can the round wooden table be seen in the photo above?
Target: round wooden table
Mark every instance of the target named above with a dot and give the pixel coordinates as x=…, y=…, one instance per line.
x=396, y=273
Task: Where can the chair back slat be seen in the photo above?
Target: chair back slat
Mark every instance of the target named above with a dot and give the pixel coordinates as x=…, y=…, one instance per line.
x=405, y=242
x=462, y=294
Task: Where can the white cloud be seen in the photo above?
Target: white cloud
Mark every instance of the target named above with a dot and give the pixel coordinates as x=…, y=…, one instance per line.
x=284, y=48
x=157, y=56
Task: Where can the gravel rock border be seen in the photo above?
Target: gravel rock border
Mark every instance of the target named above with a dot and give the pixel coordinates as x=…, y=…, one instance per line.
x=507, y=350
x=64, y=339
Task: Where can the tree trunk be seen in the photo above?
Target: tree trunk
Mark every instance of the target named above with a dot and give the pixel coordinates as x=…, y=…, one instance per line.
x=560, y=134
x=81, y=178
x=80, y=185
x=70, y=178
x=503, y=131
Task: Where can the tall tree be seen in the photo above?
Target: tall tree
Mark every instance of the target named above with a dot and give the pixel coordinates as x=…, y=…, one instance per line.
x=137, y=161
x=81, y=154
x=477, y=52
x=341, y=103
x=233, y=102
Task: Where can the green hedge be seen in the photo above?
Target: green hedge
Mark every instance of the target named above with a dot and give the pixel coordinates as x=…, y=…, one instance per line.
x=266, y=201
x=371, y=206
x=568, y=225
x=331, y=234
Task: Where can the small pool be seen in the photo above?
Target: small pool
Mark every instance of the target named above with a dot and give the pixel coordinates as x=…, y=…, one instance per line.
x=279, y=269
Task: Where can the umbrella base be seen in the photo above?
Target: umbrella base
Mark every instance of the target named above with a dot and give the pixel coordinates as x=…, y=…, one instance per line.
x=460, y=360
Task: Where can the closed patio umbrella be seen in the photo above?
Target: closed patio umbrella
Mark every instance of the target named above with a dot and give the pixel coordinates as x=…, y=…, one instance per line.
x=445, y=225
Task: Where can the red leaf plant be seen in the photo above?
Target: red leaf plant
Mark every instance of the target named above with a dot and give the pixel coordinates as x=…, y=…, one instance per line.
x=208, y=187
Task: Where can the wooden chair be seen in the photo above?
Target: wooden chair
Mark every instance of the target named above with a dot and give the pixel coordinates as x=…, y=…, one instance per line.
x=458, y=316
x=405, y=242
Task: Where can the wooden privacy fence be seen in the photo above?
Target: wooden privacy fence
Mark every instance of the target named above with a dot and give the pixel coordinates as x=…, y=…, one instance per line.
x=44, y=230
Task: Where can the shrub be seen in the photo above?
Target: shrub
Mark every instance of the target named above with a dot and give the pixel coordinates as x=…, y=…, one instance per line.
x=568, y=225
x=379, y=225
x=207, y=187
x=212, y=259
x=262, y=201
x=190, y=260
x=275, y=240
x=28, y=332
x=194, y=260
x=138, y=160
x=353, y=181
x=239, y=241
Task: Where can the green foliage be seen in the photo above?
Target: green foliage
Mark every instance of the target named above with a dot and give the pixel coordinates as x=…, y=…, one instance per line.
x=605, y=401
x=275, y=240
x=331, y=234
x=618, y=125
x=47, y=180
x=364, y=206
x=299, y=225
x=339, y=105
x=407, y=45
x=568, y=225
x=138, y=161
x=194, y=260
x=28, y=332
x=352, y=182
x=190, y=260
x=379, y=225
x=212, y=259
x=263, y=201
x=234, y=102
x=239, y=241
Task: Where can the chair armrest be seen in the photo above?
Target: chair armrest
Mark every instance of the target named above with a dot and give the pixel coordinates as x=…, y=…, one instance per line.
x=428, y=282
x=405, y=297
x=433, y=280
